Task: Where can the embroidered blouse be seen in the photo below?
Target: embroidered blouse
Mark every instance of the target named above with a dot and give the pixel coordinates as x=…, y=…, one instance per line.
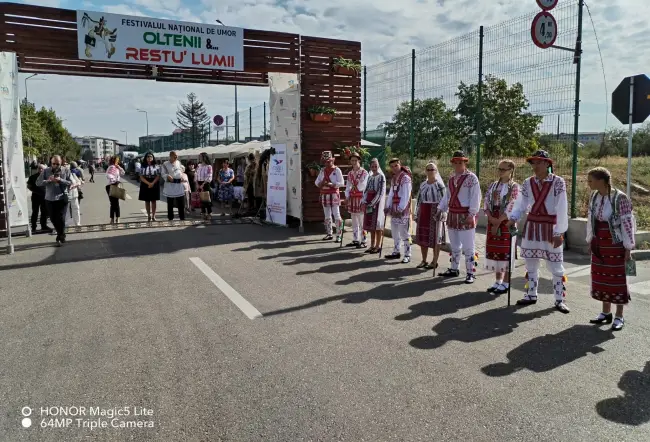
x=358, y=180
x=622, y=224
x=376, y=184
x=469, y=194
x=501, y=190
x=203, y=173
x=429, y=193
x=555, y=203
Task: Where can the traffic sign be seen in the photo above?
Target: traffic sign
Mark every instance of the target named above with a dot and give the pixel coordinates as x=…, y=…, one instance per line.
x=218, y=120
x=218, y=129
x=640, y=97
x=547, y=5
x=544, y=30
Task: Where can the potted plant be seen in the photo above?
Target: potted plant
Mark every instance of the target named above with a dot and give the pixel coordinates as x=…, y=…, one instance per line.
x=346, y=151
x=321, y=114
x=314, y=169
x=345, y=66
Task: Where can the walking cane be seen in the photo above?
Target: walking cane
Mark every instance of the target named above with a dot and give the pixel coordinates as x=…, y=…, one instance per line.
x=513, y=237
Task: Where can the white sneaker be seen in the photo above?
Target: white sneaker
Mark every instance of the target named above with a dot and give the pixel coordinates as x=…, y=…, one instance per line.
x=406, y=260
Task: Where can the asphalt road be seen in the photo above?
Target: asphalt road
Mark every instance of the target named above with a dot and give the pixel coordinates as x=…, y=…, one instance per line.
x=346, y=348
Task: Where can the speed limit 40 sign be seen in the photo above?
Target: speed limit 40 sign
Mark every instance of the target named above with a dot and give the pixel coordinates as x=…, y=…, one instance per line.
x=544, y=29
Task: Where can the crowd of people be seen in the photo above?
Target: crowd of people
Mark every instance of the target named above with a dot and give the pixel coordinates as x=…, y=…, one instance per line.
x=451, y=209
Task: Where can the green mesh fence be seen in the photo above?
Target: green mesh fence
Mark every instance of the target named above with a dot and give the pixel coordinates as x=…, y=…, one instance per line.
x=254, y=124
x=547, y=77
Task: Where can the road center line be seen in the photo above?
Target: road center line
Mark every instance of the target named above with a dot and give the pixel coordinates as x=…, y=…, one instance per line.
x=237, y=299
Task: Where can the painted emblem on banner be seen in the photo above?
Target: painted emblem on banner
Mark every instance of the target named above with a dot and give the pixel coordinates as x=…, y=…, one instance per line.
x=294, y=191
x=286, y=131
x=98, y=30
x=20, y=214
x=4, y=89
x=292, y=84
x=281, y=101
x=277, y=118
x=295, y=147
x=294, y=114
x=291, y=162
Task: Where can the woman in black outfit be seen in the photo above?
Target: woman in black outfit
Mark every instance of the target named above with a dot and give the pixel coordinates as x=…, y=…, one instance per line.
x=203, y=177
x=149, y=188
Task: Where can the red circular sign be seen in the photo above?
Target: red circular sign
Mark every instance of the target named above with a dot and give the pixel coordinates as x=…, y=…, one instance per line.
x=544, y=30
x=218, y=120
x=547, y=5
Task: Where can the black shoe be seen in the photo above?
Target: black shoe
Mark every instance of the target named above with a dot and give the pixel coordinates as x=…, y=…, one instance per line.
x=491, y=289
x=352, y=244
x=500, y=290
x=328, y=238
x=602, y=319
x=58, y=242
x=371, y=250
x=361, y=245
x=450, y=273
x=527, y=301
x=562, y=307
x=394, y=256
x=618, y=324
x=62, y=239
x=470, y=278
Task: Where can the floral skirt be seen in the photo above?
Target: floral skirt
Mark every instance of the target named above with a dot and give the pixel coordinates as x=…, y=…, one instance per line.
x=226, y=193
x=608, y=279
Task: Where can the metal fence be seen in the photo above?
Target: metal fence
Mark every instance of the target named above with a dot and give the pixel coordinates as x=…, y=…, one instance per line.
x=549, y=78
x=252, y=123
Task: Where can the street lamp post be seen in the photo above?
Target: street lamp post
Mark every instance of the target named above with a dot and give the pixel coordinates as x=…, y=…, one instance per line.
x=28, y=78
x=126, y=138
x=236, y=108
x=146, y=116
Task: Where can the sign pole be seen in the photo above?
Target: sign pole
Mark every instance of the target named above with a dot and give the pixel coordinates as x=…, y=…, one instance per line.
x=629, y=139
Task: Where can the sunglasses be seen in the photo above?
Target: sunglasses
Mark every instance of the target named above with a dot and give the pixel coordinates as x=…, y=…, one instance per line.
x=501, y=169
x=431, y=170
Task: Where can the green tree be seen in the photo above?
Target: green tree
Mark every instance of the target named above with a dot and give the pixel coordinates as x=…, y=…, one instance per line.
x=36, y=139
x=506, y=126
x=194, y=119
x=614, y=143
x=435, y=129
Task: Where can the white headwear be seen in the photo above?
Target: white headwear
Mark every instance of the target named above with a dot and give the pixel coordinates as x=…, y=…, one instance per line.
x=375, y=160
x=438, y=177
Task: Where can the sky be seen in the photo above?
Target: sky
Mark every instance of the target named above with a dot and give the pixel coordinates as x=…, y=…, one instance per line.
x=385, y=28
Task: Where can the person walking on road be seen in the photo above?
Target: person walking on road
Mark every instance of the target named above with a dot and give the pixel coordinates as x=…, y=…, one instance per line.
x=91, y=171
x=113, y=173
x=611, y=230
x=73, y=213
x=38, y=200
x=174, y=192
x=149, y=187
x=56, y=180
x=203, y=177
x=226, y=190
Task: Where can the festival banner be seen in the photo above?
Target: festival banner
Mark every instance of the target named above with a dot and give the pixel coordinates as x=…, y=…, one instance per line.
x=276, y=191
x=144, y=40
x=12, y=141
x=284, y=105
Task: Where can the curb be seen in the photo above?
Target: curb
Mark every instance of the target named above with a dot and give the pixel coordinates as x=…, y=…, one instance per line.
x=637, y=255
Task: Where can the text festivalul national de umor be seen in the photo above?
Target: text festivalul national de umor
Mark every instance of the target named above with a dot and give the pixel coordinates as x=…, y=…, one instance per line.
x=179, y=27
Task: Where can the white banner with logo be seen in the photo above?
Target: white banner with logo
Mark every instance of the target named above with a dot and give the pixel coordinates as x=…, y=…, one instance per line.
x=276, y=191
x=13, y=161
x=144, y=40
x=284, y=105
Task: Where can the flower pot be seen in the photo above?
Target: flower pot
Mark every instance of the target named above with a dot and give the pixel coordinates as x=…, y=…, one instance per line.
x=313, y=172
x=345, y=71
x=321, y=118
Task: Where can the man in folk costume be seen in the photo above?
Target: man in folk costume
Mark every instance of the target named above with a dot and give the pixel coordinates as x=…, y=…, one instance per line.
x=399, y=207
x=547, y=222
x=356, y=185
x=461, y=205
x=329, y=180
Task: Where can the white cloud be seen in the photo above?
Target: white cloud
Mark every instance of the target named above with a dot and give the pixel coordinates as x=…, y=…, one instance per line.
x=386, y=29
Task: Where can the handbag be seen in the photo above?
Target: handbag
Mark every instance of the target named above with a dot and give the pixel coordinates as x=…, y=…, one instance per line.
x=630, y=267
x=117, y=191
x=195, y=198
x=205, y=197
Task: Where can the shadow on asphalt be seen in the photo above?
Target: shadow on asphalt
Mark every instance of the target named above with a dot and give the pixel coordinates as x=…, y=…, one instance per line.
x=447, y=306
x=279, y=245
x=633, y=408
x=142, y=243
x=301, y=253
x=481, y=326
x=385, y=292
x=549, y=352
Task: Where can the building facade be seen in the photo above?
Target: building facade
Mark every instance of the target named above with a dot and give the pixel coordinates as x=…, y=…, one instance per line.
x=100, y=147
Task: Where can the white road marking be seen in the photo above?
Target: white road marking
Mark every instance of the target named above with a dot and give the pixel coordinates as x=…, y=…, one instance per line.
x=144, y=212
x=237, y=299
x=128, y=197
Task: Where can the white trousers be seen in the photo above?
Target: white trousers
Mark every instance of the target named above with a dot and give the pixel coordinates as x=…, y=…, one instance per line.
x=329, y=212
x=73, y=214
x=400, y=232
x=556, y=269
x=462, y=241
x=357, y=227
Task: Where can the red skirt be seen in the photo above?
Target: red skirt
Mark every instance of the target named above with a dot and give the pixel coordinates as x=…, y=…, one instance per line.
x=354, y=203
x=608, y=279
x=370, y=219
x=497, y=247
x=427, y=231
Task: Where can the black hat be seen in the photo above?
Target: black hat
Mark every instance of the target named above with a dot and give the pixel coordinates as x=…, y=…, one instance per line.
x=540, y=155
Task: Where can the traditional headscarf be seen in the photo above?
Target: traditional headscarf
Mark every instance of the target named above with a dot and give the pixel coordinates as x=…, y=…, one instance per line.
x=437, y=175
x=381, y=172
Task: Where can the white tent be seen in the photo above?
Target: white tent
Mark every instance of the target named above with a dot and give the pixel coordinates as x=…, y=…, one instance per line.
x=366, y=143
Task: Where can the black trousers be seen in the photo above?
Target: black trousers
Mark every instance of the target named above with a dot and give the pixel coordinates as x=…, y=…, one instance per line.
x=179, y=202
x=115, y=204
x=38, y=205
x=57, y=210
x=206, y=206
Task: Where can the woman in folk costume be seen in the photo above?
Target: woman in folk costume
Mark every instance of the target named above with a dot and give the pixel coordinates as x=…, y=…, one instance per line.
x=399, y=199
x=329, y=180
x=546, y=224
x=611, y=228
x=500, y=198
x=356, y=184
x=373, y=203
x=430, y=231
x=462, y=202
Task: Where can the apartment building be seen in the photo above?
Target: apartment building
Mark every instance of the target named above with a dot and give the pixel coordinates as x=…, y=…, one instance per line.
x=100, y=147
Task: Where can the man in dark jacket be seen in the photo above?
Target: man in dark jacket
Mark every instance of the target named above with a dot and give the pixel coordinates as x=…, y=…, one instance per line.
x=38, y=199
x=56, y=181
